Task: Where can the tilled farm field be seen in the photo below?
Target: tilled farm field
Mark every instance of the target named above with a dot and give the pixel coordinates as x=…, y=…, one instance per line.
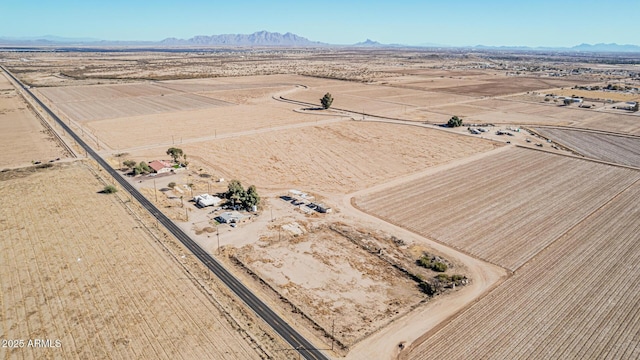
x=623, y=150
x=197, y=125
x=340, y=157
x=115, y=101
x=76, y=267
x=23, y=138
x=503, y=208
x=578, y=299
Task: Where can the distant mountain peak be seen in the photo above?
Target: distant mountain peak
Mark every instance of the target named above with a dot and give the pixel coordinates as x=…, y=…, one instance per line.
x=258, y=38
x=368, y=42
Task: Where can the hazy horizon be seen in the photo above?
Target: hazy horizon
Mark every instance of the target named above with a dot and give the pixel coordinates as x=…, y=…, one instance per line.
x=492, y=23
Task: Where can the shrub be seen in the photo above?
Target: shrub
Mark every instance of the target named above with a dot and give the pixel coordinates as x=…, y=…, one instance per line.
x=429, y=263
x=439, y=266
x=171, y=185
x=109, y=189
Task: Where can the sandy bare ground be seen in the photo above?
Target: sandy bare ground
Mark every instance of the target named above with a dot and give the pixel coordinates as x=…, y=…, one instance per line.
x=23, y=138
x=76, y=267
x=332, y=279
x=340, y=157
x=503, y=208
x=579, y=296
x=623, y=150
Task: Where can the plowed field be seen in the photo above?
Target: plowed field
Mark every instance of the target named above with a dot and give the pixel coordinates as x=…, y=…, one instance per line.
x=578, y=299
x=504, y=208
x=623, y=150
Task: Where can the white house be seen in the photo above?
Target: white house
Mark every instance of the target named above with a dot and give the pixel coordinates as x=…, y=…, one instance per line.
x=229, y=217
x=207, y=200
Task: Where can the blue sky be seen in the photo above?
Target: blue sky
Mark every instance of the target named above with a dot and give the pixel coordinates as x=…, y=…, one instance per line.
x=459, y=23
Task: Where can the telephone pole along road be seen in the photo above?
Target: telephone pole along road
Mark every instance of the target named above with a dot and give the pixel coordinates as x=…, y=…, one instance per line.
x=297, y=341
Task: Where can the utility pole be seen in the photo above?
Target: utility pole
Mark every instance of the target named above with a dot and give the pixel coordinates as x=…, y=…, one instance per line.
x=218, y=235
x=154, y=189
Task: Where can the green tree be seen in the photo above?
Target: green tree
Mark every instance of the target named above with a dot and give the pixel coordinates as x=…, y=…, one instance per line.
x=326, y=101
x=175, y=153
x=142, y=168
x=454, y=121
x=129, y=163
x=251, y=197
x=236, y=192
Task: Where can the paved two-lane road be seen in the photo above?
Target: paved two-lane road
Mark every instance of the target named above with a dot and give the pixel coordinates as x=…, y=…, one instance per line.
x=297, y=341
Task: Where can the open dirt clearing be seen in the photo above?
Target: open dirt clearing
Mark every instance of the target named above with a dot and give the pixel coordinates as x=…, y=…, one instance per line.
x=77, y=268
x=623, y=150
x=23, y=138
x=504, y=208
x=330, y=278
x=578, y=299
x=340, y=157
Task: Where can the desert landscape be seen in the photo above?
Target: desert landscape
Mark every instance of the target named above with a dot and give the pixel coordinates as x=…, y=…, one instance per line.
x=380, y=231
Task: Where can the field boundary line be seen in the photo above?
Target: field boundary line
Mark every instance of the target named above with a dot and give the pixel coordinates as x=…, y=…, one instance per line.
x=428, y=171
x=596, y=131
x=581, y=158
x=283, y=99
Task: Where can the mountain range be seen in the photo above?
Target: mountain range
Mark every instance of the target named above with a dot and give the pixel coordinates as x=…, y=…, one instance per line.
x=267, y=39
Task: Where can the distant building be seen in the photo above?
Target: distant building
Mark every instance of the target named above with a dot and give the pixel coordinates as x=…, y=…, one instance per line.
x=205, y=200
